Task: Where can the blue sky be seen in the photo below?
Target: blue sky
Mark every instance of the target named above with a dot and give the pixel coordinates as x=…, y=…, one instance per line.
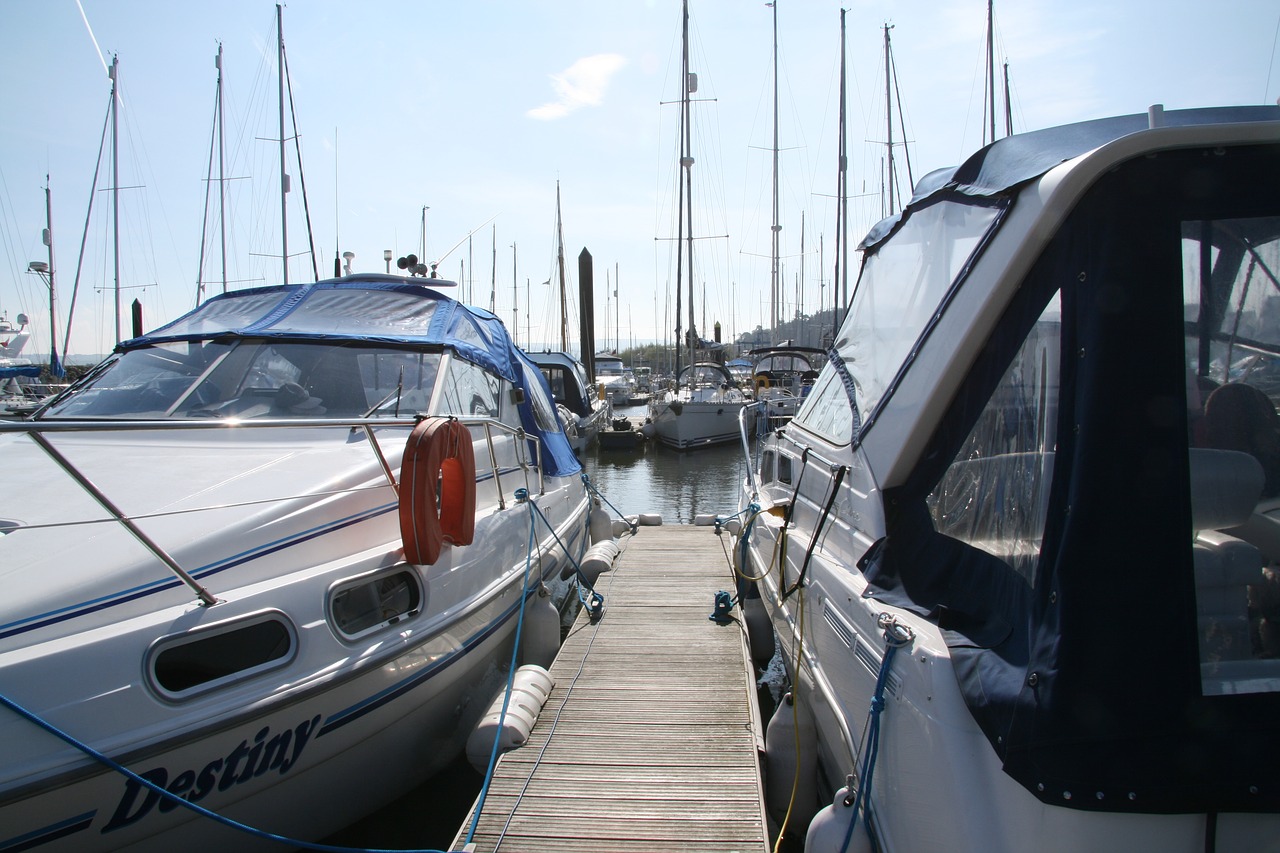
x=476, y=110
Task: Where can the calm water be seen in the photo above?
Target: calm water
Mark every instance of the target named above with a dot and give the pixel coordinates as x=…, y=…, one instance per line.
x=678, y=486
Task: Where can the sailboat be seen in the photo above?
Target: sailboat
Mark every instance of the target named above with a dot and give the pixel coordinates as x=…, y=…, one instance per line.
x=584, y=412
x=1016, y=548
x=706, y=405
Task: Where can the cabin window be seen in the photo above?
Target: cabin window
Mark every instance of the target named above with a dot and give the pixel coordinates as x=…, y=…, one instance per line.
x=827, y=410
x=544, y=410
x=398, y=383
x=784, y=468
x=766, y=467
x=994, y=495
x=1231, y=313
x=903, y=286
x=191, y=663
x=363, y=606
x=469, y=391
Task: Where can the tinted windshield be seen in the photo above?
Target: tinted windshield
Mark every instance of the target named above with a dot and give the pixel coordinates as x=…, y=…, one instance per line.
x=255, y=378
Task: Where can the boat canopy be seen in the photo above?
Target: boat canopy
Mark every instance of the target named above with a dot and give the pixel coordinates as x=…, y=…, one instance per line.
x=1014, y=160
x=375, y=310
x=1050, y=522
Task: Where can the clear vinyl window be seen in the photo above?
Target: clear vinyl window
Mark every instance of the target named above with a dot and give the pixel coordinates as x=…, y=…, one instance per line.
x=1231, y=313
x=995, y=494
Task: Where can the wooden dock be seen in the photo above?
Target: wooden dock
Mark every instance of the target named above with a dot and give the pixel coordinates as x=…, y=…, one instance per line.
x=651, y=738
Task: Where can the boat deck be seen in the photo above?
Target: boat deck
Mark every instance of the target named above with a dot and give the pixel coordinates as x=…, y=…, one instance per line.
x=651, y=738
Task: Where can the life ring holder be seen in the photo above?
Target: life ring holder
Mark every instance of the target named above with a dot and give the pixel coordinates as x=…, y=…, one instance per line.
x=437, y=455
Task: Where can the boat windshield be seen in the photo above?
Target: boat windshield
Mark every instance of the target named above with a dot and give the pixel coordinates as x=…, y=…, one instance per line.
x=704, y=376
x=246, y=378
x=902, y=287
x=792, y=362
x=608, y=368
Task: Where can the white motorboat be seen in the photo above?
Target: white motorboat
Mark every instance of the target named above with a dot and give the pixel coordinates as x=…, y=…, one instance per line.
x=703, y=408
x=271, y=559
x=1022, y=576
x=616, y=383
x=583, y=412
x=783, y=376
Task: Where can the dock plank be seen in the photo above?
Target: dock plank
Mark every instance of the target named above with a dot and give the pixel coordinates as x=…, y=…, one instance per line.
x=650, y=739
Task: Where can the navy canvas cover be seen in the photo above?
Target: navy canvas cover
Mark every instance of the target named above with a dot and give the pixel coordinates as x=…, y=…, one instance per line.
x=1088, y=684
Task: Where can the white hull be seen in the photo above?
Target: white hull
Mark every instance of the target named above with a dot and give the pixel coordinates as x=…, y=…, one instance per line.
x=301, y=750
x=277, y=576
x=688, y=425
x=1022, y=583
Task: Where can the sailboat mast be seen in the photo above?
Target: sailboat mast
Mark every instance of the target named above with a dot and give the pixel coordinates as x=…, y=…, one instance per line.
x=564, y=308
x=990, y=94
x=284, y=176
x=890, y=178
x=840, y=282
x=55, y=366
x=686, y=163
x=774, y=285
x=222, y=174
x=1008, y=108
x=115, y=181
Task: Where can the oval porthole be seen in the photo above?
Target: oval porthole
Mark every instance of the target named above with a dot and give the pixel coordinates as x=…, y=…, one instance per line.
x=201, y=660
x=365, y=605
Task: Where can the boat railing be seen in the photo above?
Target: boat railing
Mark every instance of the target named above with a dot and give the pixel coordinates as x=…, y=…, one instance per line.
x=527, y=458
x=743, y=433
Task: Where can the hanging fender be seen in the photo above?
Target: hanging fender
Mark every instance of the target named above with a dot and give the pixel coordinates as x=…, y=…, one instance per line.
x=437, y=489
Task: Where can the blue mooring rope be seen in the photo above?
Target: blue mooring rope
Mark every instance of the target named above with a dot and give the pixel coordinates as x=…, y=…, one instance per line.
x=895, y=637
x=522, y=496
x=594, y=608
x=200, y=810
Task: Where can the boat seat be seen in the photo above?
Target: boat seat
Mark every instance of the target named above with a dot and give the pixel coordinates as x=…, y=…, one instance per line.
x=1262, y=529
x=1225, y=487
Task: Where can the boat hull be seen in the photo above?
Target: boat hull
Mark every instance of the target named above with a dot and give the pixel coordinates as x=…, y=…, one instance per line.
x=689, y=425
x=340, y=727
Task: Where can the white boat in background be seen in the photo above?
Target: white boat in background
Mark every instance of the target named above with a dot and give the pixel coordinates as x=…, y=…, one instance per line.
x=702, y=408
x=782, y=377
x=583, y=412
x=1019, y=559
x=617, y=384
x=703, y=404
x=231, y=571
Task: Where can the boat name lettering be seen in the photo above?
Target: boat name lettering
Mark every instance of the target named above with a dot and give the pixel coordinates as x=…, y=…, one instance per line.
x=248, y=760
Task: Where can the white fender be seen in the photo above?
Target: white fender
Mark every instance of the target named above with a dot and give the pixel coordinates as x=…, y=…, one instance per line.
x=530, y=686
x=650, y=519
x=790, y=725
x=540, y=635
x=601, y=525
x=829, y=827
x=597, y=560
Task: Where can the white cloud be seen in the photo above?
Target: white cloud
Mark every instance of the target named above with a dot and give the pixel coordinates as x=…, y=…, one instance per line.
x=582, y=84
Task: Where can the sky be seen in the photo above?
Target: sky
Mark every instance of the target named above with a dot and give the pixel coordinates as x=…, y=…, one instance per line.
x=457, y=124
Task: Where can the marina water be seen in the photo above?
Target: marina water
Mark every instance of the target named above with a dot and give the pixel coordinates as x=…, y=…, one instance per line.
x=678, y=486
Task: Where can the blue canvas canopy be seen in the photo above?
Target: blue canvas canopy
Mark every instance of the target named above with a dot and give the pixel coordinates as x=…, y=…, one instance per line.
x=376, y=309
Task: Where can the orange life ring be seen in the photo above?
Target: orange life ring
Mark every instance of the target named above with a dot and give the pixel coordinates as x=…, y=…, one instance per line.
x=762, y=382
x=437, y=489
